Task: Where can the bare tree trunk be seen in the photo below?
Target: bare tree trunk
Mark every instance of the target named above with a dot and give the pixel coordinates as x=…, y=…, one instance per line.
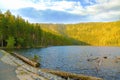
x=2, y=40
x=32, y=63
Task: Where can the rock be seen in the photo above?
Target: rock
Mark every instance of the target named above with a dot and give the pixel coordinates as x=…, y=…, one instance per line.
x=105, y=57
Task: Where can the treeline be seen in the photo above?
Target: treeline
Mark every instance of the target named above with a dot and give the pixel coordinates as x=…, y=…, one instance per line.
x=15, y=32
x=60, y=30
x=96, y=33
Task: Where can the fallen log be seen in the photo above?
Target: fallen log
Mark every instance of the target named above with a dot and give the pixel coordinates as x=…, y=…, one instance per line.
x=30, y=62
x=92, y=59
x=70, y=75
x=118, y=57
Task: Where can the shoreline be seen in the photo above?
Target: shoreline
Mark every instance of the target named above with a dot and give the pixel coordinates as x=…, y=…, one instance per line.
x=5, y=48
x=27, y=72
x=7, y=72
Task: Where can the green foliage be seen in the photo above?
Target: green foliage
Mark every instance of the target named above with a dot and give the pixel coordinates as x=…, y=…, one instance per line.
x=48, y=39
x=10, y=42
x=36, y=58
x=25, y=34
x=16, y=32
x=20, y=42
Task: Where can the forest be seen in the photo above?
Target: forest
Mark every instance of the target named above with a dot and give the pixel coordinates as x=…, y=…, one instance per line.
x=92, y=33
x=15, y=32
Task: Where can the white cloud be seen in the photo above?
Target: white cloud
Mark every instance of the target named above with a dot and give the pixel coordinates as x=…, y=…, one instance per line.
x=14, y=4
x=105, y=6
x=101, y=1
x=57, y=5
x=41, y=5
x=102, y=9
x=106, y=16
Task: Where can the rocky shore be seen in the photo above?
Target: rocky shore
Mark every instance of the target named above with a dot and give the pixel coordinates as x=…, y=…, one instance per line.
x=27, y=72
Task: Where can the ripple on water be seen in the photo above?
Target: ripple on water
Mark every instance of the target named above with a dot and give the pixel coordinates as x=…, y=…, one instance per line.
x=74, y=59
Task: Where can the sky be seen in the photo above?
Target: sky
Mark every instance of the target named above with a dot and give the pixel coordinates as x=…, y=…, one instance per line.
x=63, y=11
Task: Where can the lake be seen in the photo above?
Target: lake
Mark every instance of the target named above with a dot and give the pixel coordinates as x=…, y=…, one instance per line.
x=88, y=60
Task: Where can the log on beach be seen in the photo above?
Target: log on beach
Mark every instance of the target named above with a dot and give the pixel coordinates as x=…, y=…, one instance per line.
x=30, y=62
x=118, y=57
x=70, y=75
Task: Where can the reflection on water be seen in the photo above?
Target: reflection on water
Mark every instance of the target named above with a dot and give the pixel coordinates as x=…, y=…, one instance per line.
x=77, y=59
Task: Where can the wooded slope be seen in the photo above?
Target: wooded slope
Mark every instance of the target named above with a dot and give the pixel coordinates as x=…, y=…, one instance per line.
x=96, y=33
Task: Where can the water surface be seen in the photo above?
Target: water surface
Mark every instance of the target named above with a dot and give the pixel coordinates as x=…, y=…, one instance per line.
x=76, y=59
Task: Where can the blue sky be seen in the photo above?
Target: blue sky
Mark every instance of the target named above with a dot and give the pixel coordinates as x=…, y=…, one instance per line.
x=63, y=11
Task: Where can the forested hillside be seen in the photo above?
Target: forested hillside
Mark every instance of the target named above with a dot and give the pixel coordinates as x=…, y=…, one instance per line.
x=97, y=33
x=15, y=32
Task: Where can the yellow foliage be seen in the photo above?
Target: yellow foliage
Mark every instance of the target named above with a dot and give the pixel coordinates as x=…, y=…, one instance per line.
x=97, y=34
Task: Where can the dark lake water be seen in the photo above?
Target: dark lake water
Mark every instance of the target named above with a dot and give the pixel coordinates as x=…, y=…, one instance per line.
x=89, y=60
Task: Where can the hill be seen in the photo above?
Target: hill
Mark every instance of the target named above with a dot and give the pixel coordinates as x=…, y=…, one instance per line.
x=94, y=33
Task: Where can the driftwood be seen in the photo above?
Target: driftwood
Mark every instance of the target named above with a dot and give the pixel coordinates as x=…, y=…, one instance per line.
x=30, y=62
x=117, y=59
x=71, y=75
x=92, y=59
